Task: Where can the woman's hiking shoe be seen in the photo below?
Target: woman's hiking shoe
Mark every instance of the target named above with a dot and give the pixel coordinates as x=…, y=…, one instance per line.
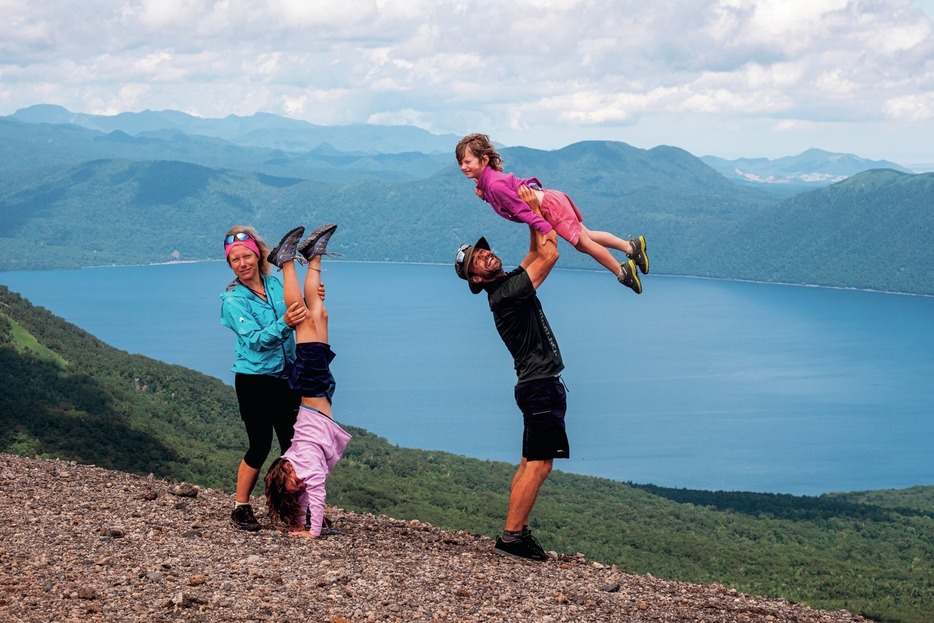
x=638, y=254
x=526, y=547
x=629, y=277
x=317, y=242
x=242, y=518
x=285, y=251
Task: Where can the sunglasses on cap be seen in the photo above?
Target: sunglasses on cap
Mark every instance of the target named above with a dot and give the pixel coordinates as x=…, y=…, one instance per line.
x=461, y=252
x=241, y=236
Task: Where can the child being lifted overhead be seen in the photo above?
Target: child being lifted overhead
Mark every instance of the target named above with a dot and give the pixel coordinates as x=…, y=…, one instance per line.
x=480, y=162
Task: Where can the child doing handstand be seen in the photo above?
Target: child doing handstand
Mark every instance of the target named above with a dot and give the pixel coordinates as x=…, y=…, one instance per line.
x=295, y=488
x=480, y=162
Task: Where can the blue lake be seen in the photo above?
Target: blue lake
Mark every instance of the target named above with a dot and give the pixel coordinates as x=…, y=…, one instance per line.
x=701, y=384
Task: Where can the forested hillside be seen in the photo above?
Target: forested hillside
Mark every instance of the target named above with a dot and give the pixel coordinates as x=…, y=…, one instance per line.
x=873, y=230
x=68, y=395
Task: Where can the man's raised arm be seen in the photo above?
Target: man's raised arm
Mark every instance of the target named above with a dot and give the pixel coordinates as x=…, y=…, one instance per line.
x=543, y=248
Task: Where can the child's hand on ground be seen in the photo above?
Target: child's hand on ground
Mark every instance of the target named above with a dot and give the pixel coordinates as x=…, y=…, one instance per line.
x=478, y=192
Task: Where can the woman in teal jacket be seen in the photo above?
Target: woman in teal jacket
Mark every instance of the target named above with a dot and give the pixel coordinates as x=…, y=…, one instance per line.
x=253, y=307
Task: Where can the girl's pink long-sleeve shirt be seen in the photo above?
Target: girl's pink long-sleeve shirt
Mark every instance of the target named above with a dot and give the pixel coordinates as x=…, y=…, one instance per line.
x=317, y=446
x=501, y=190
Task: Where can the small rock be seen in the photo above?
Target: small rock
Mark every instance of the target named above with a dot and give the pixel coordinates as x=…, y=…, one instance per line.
x=185, y=490
x=86, y=592
x=114, y=532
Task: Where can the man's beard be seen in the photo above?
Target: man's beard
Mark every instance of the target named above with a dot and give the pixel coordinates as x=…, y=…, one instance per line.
x=490, y=269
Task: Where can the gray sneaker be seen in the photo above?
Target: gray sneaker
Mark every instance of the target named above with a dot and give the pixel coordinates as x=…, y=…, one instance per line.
x=629, y=276
x=242, y=518
x=638, y=254
x=317, y=242
x=285, y=251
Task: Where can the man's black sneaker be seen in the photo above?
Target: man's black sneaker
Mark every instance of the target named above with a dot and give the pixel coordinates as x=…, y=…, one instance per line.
x=534, y=544
x=524, y=547
x=317, y=242
x=629, y=277
x=285, y=250
x=638, y=254
x=242, y=517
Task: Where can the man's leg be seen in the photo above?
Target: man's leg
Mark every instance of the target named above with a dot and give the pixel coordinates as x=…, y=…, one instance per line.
x=525, y=486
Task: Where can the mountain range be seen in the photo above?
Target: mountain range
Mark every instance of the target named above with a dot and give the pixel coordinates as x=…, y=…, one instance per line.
x=814, y=168
x=281, y=138
x=72, y=195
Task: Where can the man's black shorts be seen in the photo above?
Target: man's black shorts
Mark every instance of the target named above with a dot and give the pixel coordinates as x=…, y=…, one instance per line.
x=543, y=403
x=311, y=375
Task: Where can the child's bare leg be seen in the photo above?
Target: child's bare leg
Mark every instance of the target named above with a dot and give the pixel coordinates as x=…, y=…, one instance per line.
x=317, y=312
x=610, y=241
x=586, y=244
x=305, y=330
x=291, y=291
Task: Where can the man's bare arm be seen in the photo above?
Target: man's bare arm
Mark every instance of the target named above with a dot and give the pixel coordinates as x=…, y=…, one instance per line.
x=543, y=248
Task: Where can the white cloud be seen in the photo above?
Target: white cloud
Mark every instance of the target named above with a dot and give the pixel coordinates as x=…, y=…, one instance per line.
x=556, y=69
x=911, y=107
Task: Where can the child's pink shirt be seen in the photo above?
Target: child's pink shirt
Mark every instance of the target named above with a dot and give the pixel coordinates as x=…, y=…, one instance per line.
x=317, y=446
x=501, y=190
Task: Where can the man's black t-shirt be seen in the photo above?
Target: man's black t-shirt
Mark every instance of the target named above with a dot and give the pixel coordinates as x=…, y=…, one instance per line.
x=521, y=323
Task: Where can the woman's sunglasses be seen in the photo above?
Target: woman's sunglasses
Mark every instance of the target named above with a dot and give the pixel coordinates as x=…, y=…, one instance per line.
x=240, y=236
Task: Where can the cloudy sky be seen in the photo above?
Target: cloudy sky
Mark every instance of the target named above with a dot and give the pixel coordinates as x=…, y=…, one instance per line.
x=732, y=78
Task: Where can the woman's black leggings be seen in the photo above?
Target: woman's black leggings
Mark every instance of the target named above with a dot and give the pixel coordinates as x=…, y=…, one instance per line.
x=266, y=404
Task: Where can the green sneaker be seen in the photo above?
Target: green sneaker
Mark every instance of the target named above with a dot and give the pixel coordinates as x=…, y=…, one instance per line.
x=629, y=276
x=638, y=255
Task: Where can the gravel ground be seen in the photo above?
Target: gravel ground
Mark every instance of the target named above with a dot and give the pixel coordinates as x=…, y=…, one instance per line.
x=80, y=543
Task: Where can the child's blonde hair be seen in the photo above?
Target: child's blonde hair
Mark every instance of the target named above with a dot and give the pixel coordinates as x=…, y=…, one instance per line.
x=480, y=146
x=282, y=505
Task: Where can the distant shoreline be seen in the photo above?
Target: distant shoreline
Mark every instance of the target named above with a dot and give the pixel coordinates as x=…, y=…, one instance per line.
x=731, y=279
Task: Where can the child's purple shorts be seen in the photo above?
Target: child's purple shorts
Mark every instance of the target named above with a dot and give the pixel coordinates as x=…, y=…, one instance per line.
x=563, y=215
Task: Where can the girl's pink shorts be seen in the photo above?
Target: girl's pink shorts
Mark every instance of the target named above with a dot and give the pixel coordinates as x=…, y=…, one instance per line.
x=563, y=215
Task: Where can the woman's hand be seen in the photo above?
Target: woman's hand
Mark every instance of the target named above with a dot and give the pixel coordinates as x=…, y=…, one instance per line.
x=321, y=291
x=295, y=314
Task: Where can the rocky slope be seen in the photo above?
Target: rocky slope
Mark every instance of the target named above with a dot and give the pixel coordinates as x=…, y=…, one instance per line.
x=80, y=543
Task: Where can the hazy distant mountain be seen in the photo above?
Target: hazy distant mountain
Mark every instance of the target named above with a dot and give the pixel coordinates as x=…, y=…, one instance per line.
x=33, y=145
x=813, y=168
x=259, y=130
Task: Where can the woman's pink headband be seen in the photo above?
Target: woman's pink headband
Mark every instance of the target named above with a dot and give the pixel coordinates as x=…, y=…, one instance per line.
x=249, y=243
